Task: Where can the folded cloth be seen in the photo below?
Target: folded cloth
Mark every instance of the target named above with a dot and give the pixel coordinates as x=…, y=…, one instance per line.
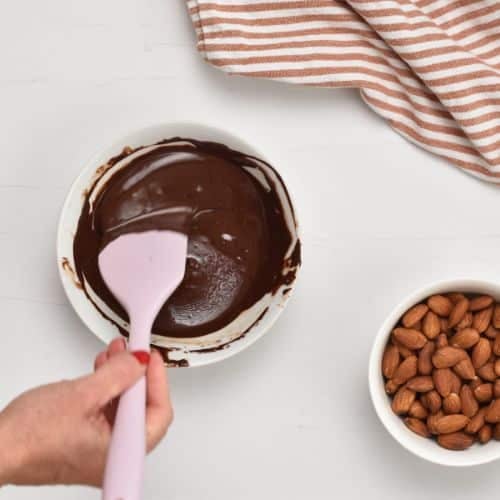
x=431, y=68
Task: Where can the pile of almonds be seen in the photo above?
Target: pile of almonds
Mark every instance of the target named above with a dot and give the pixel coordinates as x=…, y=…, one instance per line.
x=442, y=369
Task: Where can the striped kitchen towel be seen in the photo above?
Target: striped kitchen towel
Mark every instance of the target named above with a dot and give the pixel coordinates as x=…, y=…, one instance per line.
x=431, y=68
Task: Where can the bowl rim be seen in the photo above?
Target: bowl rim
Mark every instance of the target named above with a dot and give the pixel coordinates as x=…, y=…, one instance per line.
x=184, y=128
x=380, y=400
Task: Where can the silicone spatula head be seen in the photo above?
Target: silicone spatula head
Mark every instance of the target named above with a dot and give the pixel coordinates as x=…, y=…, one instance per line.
x=142, y=270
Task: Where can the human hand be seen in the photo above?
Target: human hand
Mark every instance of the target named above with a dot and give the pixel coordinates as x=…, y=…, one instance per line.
x=60, y=433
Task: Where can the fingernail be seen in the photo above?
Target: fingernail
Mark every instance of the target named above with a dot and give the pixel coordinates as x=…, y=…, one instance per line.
x=142, y=356
x=124, y=343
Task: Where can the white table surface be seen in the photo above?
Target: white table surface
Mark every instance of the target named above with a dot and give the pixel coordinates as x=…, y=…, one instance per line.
x=290, y=418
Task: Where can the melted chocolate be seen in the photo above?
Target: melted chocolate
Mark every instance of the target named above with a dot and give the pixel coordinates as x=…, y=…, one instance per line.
x=238, y=237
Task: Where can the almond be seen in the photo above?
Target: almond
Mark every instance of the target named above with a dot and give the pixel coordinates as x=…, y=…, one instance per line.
x=482, y=319
x=440, y=304
x=452, y=404
x=497, y=367
x=391, y=387
x=456, y=383
x=455, y=441
x=493, y=412
x=451, y=423
x=443, y=380
x=481, y=353
x=412, y=339
x=485, y=433
x=496, y=316
x=402, y=401
x=475, y=383
x=406, y=370
x=492, y=333
x=487, y=372
x=446, y=357
x=484, y=393
x=444, y=325
x=469, y=403
x=403, y=351
x=465, y=322
x=465, y=339
x=465, y=369
x=455, y=297
x=496, y=389
x=481, y=302
x=458, y=312
x=417, y=326
x=425, y=358
x=432, y=420
x=414, y=315
x=493, y=358
x=417, y=410
x=390, y=361
x=417, y=426
x=423, y=383
x=423, y=400
x=431, y=326
x=441, y=340
x=496, y=345
x=432, y=401
x=496, y=432
x=476, y=422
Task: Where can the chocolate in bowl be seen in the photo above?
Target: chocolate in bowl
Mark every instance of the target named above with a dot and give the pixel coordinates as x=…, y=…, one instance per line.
x=244, y=250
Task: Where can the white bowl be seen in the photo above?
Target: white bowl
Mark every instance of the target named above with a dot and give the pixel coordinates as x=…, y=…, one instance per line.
x=425, y=448
x=211, y=348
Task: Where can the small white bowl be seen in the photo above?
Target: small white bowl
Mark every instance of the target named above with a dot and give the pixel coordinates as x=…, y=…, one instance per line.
x=425, y=448
x=249, y=326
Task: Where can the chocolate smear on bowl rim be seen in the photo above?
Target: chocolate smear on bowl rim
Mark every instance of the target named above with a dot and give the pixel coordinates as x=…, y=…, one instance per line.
x=70, y=272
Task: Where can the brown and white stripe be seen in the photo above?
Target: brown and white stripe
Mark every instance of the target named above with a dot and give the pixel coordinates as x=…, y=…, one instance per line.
x=431, y=68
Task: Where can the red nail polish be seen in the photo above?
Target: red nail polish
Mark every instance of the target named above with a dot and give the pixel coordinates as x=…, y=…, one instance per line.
x=142, y=356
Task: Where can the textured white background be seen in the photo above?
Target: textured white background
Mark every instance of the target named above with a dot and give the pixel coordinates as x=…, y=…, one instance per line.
x=289, y=418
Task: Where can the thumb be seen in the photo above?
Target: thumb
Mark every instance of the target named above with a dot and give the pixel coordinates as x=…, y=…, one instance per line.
x=114, y=377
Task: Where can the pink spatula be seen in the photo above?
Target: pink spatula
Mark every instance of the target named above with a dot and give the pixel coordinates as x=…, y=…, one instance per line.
x=142, y=270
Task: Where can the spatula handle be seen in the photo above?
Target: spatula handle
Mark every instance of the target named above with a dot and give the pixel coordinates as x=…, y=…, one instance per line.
x=124, y=472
